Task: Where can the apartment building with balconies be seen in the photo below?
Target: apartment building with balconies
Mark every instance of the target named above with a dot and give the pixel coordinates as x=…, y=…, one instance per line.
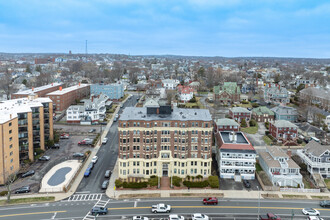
x=162, y=141
x=235, y=155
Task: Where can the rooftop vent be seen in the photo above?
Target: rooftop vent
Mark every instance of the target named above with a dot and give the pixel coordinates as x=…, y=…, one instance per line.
x=195, y=113
x=183, y=116
x=143, y=116
x=139, y=112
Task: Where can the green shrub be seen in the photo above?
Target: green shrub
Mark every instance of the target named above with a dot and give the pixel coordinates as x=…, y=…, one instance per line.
x=118, y=183
x=299, y=141
x=133, y=185
x=213, y=181
x=38, y=151
x=153, y=181
x=253, y=123
x=245, y=102
x=88, y=152
x=267, y=124
x=176, y=181
x=255, y=105
x=3, y=193
x=267, y=133
x=153, y=176
x=201, y=184
x=199, y=177
x=243, y=123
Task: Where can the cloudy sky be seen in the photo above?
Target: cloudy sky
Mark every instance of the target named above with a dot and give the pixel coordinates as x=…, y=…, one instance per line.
x=281, y=28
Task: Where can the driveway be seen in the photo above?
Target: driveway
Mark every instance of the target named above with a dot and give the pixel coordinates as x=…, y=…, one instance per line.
x=230, y=184
x=256, y=139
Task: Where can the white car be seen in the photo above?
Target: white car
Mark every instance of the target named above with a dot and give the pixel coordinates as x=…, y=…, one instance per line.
x=310, y=211
x=140, y=218
x=105, y=140
x=199, y=216
x=94, y=159
x=314, y=218
x=176, y=217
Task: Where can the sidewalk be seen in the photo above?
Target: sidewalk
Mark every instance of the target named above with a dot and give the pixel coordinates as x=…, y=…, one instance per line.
x=77, y=180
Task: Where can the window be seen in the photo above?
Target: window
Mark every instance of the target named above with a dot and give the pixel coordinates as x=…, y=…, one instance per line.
x=10, y=131
x=11, y=153
x=10, y=146
x=10, y=124
x=10, y=139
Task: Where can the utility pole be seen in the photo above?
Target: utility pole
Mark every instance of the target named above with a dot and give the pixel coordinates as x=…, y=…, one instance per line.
x=258, y=202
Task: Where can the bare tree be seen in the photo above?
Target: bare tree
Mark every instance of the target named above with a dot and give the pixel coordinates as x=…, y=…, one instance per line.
x=6, y=83
x=10, y=180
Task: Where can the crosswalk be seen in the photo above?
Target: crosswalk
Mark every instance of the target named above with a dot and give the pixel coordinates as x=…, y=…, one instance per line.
x=85, y=197
x=99, y=203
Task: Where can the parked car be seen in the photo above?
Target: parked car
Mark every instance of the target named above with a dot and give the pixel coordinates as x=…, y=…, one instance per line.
x=314, y=218
x=85, y=142
x=210, y=201
x=269, y=216
x=176, y=217
x=199, y=216
x=115, y=119
x=55, y=146
x=99, y=210
x=325, y=203
x=92, y=130
x=91, y=165
x=310, y=211
x=44, y=158
x=105, y=184
x=105, y=140
x=140, y=218
x=107, y=173
x=64, y=136
x=103, y=123
x=28, y=173
x=87, y=172
x=247, y=183
x=78, y=155
x=24, y=189
x=94, y=159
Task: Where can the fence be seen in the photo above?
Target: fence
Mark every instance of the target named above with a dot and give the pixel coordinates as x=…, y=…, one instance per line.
x=300, y=190
x=266, y=188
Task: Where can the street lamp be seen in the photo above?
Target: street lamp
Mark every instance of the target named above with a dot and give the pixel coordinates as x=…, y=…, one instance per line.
x=258, y=202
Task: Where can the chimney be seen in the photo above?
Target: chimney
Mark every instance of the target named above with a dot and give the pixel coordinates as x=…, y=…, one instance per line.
x=79, y=84
x=32, y=88
x=269, y=85
x=52, y=84
x=10, y=116
x=92, y=98
x=289, y=153
x=60, y=88
x=157, y=111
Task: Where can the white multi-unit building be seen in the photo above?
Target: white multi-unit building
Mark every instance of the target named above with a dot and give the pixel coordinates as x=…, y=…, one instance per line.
x=170, y=83
x=93, y=110
x=280, y=168
x=317, y=158
x=235, y=155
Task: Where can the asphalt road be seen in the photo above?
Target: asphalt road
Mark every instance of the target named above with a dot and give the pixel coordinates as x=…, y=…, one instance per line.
x=125, y=209
x=107, y=157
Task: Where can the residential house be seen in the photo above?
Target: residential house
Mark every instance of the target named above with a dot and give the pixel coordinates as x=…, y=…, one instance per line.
x=262, y=114
x=317, y=158
x=276, y=94
x=238, y=113
x=308, y=131
x=284, y=131
x=280, y=168
x=227, y=94
x=225, y=124
x=235, y=155
x=306, y=82
x=285, y=113
x=170, y=84
x=185, y=93
x=195, y=85
x=316, y=96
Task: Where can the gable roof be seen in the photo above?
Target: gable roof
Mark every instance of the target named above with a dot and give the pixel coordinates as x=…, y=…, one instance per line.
x=262, y=110
x=284, y=124
x=226, y=121
x=316, y=148
x=284, y=110
x=239, y=109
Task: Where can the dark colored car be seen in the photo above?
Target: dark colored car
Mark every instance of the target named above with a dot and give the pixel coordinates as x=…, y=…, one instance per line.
x=24, y=189
x=55, y=146
x=107, y=174
x=105, y=184
x=210, y=201
x=103, y=123
x=87, y=172
x=99, y=210
x=78, y=155
x=28, y=173
x=325, y=203
x=247, y=183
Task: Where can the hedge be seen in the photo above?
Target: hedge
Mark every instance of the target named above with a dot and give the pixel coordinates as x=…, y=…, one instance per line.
x=176, y=181
x=118, y=183
x=253, y=123
x=133, y=185
x=153, y=181
x=201, y=184
x=213, y=181
x=3, y=193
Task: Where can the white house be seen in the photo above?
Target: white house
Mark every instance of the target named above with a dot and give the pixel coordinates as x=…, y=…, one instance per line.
x=185, y=93
x=280, y=168
x=170, y=83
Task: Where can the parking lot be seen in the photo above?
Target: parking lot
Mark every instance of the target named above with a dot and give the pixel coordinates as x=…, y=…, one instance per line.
x=230, y=184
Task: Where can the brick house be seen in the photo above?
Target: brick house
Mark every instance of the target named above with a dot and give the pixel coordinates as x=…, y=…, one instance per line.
x=315, y=96
x=39, y=91
x=284, y=131
x=227, y=94
x=262, y=114
x=225, y=124
x=238, y=113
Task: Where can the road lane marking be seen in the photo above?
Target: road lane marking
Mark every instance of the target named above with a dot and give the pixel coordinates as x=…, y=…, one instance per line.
x=31, y=213
x=216, y=207
x=135, y=203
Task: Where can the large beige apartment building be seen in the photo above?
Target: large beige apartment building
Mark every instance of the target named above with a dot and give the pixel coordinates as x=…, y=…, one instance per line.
x=26, y=124
x=162, y=141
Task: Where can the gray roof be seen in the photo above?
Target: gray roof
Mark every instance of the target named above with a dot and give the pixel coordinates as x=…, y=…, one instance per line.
x=180, y=114
x=276, y=151
x=284, y=110
x=312, y=91
x=316, y=148
x=226, y=121
x=151, y=103
x=239, y=109
x=269, y=160
x=284, y=124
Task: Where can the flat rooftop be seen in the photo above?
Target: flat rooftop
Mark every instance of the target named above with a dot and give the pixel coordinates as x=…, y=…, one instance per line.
x=69, y=89
x=178, y=114
x=234, y=141
x=37, y=89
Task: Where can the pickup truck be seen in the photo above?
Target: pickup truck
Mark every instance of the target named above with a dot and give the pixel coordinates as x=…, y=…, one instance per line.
x=160, y=208
x=269, y=216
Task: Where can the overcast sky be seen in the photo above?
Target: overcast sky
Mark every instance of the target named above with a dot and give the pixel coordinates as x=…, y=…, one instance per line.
x=282, y=28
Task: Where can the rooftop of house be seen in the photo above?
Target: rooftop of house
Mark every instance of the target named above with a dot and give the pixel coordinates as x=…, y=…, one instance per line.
x=284, y=124
x=69, y=89
x=284, y=110
x=272, y=163
x=316, y=92
x=234, y=141
x=276, y=151
x=239, y=110
x=177, y=114
x=262, y=110
x=316, y=148
x=151, y=103
x=37, y=89
x=306, y=127
x=226, y=121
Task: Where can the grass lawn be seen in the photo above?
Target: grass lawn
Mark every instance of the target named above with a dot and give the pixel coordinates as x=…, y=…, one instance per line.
x=28, y=200
x=250, y=130
x=203, y=93
x=327, y=182
x=289, y=196
x=267, y=140
x=193, y=105
x=258, y=167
